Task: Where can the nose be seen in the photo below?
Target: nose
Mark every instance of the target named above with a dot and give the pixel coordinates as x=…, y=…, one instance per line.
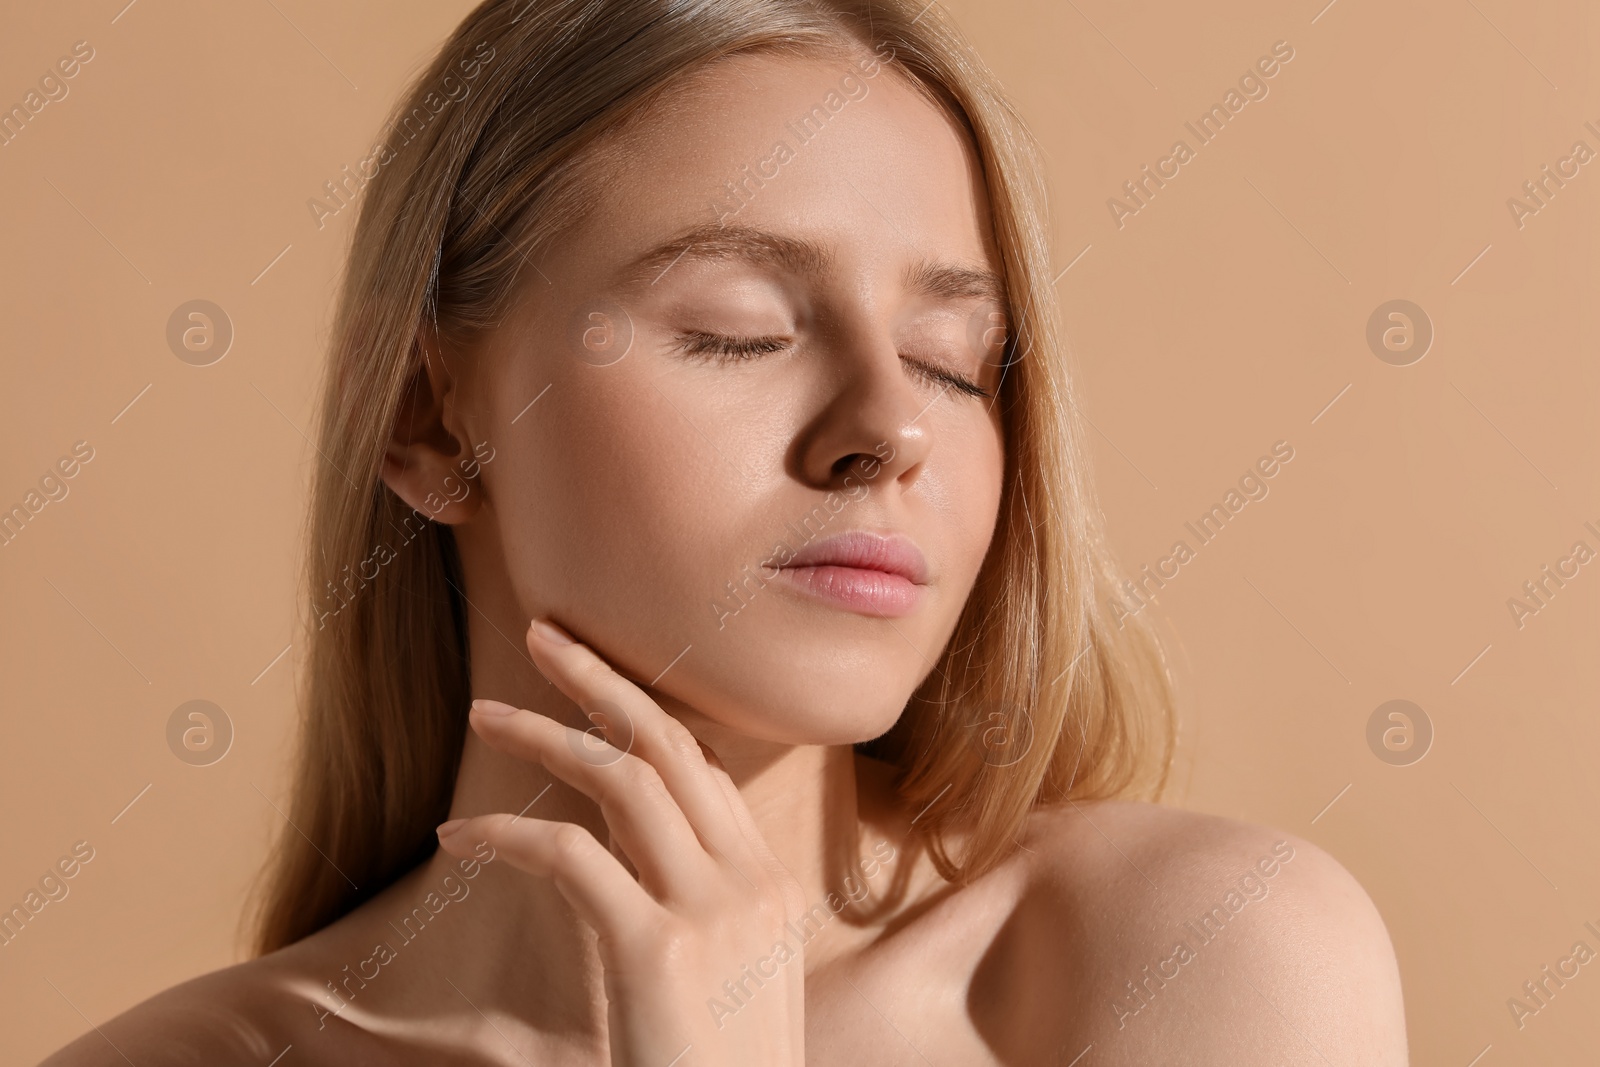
x=876, y=413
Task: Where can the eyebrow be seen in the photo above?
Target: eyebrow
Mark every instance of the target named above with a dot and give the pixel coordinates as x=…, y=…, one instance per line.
x=712, y=242
x=943, y=280
x=798, y=256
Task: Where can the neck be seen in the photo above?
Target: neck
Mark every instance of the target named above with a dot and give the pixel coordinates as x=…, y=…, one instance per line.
x=520, y=948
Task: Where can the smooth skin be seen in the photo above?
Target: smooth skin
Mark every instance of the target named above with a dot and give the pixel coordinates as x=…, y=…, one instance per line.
x=645, y=856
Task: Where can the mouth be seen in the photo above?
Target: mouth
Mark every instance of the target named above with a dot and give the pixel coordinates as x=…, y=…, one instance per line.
x=870, y=574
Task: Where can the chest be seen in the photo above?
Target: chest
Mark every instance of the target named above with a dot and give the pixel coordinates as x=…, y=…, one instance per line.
x=954, y=986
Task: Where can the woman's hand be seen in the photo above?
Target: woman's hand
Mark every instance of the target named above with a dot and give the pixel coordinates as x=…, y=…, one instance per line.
x=700, y=967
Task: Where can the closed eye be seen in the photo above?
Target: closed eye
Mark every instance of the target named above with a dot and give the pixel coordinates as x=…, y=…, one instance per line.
x=934, y=372
x=700, y=343
x=725, y=347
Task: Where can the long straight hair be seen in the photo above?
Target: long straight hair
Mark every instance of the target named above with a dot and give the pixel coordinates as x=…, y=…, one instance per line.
x=1044, y=693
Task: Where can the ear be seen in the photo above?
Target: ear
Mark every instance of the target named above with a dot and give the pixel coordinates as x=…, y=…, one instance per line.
x=429, y=460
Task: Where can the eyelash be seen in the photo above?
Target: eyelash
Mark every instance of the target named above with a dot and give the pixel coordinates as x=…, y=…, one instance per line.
x=726, y=348
x=697, y=343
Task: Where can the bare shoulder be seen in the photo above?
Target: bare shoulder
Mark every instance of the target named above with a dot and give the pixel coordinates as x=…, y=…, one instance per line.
x=247, y=1013
x=1240, y=943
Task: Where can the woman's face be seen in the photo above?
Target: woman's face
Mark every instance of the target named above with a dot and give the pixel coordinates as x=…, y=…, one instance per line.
x=704, y=407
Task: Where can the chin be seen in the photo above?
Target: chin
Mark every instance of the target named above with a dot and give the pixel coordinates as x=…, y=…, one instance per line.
x=816, y=716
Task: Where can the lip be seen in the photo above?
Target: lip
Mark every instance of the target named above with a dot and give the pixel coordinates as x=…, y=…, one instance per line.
x=873, y=574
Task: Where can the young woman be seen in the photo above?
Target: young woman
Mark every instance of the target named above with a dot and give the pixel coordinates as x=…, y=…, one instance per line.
x=716, y=341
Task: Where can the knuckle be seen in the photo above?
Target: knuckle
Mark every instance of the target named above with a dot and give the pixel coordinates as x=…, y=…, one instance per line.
x=769, y=904
x=667, y=940
x=637, y=775
x=794, y=898
x=764, y=897
x=770, y=910
x=681, y=742
x=594, y=670
x=778, y=894
x=569, y=841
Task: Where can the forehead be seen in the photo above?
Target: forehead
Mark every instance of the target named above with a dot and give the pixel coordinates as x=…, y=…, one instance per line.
x=842, y=150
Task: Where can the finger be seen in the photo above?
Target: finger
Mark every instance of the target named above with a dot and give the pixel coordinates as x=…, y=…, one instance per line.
x=589, y=878
x=637, y=724
x=643, y=818
x=614, y=847
x=741, y=815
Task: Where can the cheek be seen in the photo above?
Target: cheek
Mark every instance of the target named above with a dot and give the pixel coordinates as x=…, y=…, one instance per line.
x=965, y=488
x=613, y=507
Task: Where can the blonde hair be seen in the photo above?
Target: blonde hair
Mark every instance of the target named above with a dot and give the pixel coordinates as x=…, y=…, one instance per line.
x=1041, y=696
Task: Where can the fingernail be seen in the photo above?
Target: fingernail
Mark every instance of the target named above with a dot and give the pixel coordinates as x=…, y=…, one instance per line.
x=550, y=633
x=492, y=707
x=448, y=828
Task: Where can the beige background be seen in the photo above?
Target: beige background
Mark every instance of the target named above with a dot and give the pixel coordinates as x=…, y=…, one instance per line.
x=1226, y=315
